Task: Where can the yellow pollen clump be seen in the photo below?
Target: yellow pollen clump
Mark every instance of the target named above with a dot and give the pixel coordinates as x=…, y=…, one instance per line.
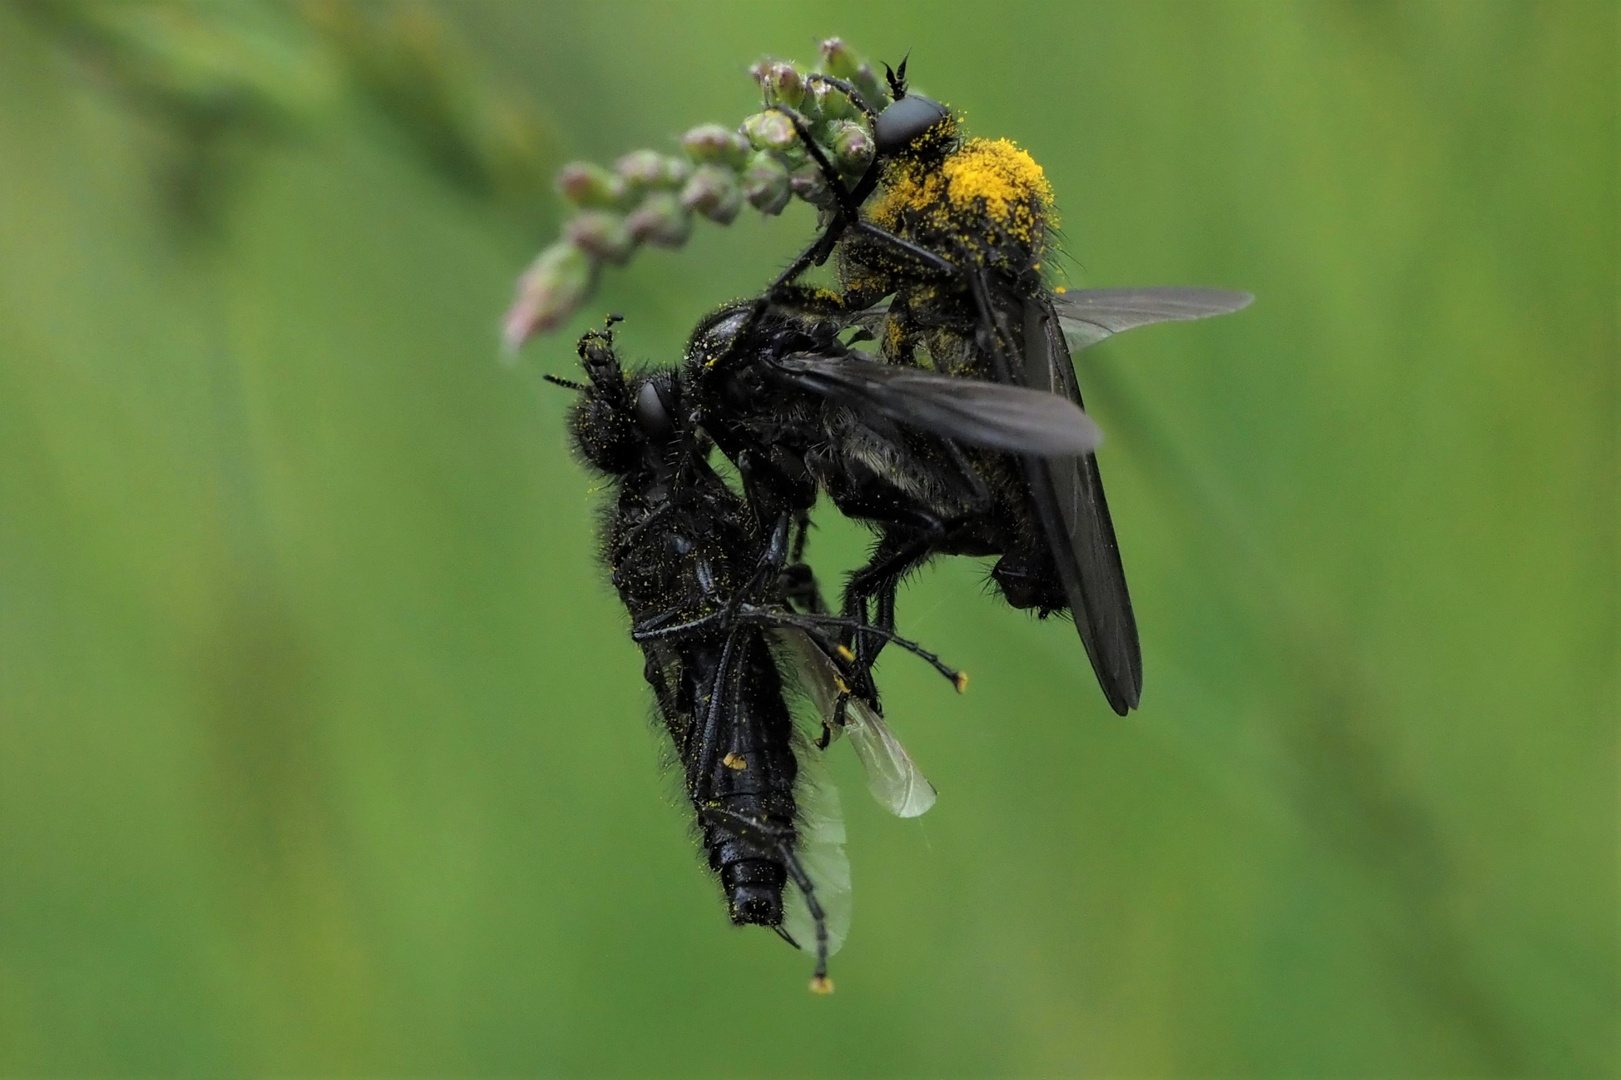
x=988, y=181
x=998, y=172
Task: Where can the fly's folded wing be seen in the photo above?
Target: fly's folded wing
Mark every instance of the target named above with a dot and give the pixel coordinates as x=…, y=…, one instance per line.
x=1067, y=493
x=993, y=415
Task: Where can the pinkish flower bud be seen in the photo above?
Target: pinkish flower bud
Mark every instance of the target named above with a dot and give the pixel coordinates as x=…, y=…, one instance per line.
x=587, y=185
x=807, y=183
x=781, y=83
x=647, y=169
x=555, y=285
x=713, y=192
x=712, y=144
x=765, y=183
x=602, y=234
x=661, y=220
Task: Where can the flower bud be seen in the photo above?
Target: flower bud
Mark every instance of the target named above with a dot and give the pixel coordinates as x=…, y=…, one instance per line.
x=661, y=220
x=782, y=84
x=765, y=183
x=770, y=131
x=713, y=144
x=586, y=184
x=602, y=234
x=713, y=192
x=852, y=148
x=807, y=183
x=826, y=102
x=841, y=61
x=647, y=169
x=551, y=290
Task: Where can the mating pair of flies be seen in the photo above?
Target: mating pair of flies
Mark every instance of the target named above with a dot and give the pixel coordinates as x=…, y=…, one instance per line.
x=957, y=430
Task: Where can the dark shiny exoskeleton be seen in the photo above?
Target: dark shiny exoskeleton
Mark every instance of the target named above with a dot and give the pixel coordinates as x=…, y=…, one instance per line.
x=697, y=574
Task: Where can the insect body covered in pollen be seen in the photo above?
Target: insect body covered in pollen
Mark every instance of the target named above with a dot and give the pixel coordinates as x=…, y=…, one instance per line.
x=945, y=265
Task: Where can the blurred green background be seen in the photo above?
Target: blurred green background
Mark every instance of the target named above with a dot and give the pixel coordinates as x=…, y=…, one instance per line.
x=323, y=748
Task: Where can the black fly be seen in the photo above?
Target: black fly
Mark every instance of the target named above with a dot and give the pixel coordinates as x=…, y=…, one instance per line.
x=956, y=239
x=704, y=580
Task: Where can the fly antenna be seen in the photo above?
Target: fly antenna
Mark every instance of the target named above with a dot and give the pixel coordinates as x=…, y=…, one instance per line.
x=567, y=384
x=897, y=77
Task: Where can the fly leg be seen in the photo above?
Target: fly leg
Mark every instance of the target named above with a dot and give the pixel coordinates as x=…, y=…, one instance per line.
x=894, y=557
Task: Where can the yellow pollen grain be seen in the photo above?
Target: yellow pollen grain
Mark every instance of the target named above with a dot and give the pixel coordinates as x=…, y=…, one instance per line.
x=821, y=984
x=734, y=761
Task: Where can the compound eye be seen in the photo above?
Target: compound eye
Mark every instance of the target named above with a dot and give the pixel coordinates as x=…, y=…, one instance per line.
x=905, y=121
x=652, y=414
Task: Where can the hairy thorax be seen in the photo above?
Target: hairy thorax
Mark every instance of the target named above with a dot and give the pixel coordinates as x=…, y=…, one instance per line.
x=986, y=201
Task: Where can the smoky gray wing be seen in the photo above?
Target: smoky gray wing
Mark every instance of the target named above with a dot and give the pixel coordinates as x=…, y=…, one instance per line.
x=1067, y=493
x=1090, y=315
x=1015, y=419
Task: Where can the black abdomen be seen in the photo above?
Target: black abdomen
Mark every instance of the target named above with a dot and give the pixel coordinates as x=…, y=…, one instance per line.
x=739, y=757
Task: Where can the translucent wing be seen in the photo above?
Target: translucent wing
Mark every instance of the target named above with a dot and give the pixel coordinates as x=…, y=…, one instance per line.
x=995, y=415
x=820, y=850
x=1090, y=315
x=893, y=778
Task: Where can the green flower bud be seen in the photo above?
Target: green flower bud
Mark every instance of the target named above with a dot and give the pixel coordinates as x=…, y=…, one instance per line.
x=586, y=184
x=781, y=83
x=765, y=183
x=825, y=102
x=843, y=62
x=602, y=234
x=713, y=144
x=551, y=290
x=713, y=192
x=852, y=148
x=661, y=220
x=770, y=131
x=647, y=169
